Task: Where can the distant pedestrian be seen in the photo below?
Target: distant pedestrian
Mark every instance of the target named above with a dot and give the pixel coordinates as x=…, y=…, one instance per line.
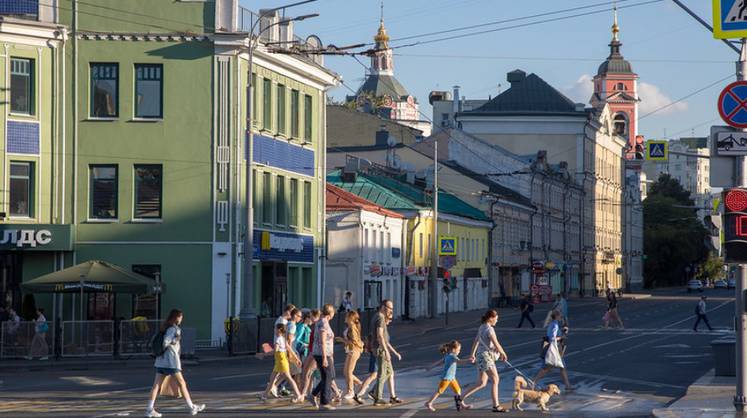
x=168, y=363
x=39, y=347
x=553, y=357
x=563, y=305
x=486, y=350
x=382, y=348
x=612, y=316
x=451, y=359
x=700, y=311
x=347, y=302
x=323, y=351
x=526, y=307
x=353, y=350
x=283, y=357
x=560, y=305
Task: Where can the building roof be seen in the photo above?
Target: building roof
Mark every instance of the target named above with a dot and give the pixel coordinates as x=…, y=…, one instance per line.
x=398, y=195
x=339, y=199
x=529, y=94
x=380, y=85
x=493, y=186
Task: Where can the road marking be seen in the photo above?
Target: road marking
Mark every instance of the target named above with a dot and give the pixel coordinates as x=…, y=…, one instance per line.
x=409, y=413
x=114, y=392
x=236, y=376
x=626, y=380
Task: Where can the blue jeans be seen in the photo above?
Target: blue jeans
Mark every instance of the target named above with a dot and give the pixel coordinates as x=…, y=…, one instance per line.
x=324, y=388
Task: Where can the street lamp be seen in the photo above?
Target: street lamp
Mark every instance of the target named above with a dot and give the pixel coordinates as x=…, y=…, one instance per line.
x=247, y=310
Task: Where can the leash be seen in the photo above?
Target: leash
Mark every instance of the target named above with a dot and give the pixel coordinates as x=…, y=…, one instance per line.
x=530, y=381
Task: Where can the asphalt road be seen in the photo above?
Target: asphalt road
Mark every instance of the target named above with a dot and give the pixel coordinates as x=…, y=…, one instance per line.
x=617, y=372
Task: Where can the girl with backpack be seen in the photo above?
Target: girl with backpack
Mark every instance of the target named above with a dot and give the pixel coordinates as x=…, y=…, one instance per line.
x=167, y=350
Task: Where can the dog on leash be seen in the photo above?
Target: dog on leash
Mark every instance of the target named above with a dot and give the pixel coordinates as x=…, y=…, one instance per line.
x=540, y=397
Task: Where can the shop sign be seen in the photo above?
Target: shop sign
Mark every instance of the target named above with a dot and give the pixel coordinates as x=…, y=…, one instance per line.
x=396, y=252
x=374, y=270
x=411, y=270
x=36, y=237
x=283, y=246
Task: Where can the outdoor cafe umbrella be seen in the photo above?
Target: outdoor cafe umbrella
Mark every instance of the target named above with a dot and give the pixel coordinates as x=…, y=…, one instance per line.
x=92, y=276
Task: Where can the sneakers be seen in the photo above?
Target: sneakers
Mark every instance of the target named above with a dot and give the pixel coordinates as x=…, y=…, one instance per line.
x=274, y=392
x=430, y=407
x=196, y=409
x=328, y=407
x=357, y=399
x=152, y=413
x=379, y=402
x=395, y=400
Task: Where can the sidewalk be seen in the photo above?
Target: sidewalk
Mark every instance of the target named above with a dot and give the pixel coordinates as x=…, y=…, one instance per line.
x=709, y=396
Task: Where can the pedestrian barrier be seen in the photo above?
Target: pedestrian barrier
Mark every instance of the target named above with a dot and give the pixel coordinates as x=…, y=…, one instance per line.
x=21, y=339
x=87, y=338
x=135, y=336
x=241, y=336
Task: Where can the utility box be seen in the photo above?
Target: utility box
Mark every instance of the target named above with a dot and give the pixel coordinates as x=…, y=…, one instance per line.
x=724, y=356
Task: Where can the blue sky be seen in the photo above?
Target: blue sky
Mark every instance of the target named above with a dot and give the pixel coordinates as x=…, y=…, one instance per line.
x=673, y=55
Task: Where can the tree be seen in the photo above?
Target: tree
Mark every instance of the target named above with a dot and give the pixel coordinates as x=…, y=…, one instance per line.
x=712, y=269
x=673, y=237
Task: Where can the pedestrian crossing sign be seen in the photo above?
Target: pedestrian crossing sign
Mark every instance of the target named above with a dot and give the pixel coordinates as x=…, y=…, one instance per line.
x=657, y=150
x=729, y=19
x=447, y=245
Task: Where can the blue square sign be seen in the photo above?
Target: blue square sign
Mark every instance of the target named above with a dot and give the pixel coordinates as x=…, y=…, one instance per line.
x=729, y=19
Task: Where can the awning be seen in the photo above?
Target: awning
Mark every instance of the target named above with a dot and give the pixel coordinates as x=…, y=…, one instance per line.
x=92, y=276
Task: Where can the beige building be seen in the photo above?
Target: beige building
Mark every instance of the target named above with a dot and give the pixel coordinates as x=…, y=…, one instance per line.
x=531, y=115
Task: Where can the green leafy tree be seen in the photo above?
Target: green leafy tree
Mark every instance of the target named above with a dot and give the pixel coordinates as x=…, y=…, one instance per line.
x=673, y=236
x=712, y=269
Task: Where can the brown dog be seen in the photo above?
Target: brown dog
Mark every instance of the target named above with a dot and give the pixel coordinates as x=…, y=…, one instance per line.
x=541, y=397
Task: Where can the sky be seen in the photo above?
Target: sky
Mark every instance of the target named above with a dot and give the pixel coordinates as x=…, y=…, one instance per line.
x=673, y=55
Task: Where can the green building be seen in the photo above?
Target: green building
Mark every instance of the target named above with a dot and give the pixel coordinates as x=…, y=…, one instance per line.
x=126, y=141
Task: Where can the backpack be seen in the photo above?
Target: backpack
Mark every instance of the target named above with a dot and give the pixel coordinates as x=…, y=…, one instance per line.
x=156, y=344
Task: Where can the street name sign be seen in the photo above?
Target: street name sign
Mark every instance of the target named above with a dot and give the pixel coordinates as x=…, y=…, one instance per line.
x=657, y=150
x=729, y=19
x=731, y=143
x=732, y=104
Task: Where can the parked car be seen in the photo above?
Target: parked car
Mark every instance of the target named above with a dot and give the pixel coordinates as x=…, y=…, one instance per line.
x=695, y=285
x=720, y=284
x=731, y=284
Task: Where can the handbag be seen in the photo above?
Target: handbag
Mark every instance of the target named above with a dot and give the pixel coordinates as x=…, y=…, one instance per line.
x=170, y=387
x=553, y=358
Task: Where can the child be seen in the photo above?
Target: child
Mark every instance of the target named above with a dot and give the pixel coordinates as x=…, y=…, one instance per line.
x=448, y=377
x=282, y=366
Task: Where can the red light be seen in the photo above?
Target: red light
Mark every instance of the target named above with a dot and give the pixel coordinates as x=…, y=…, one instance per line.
x=736, y=200
x=741, y=229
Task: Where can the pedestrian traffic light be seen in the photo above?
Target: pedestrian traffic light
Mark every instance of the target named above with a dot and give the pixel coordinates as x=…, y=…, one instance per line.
x=735, y=225
x=447, y=282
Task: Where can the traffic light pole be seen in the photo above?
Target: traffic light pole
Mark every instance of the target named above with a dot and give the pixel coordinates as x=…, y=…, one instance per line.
x=740, y=399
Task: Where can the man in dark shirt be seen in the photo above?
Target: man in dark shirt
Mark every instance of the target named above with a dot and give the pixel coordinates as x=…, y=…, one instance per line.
x=526, y=308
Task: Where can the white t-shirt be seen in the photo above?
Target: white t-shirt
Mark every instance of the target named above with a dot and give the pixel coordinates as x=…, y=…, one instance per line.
x=484, y=342
x=280, y=344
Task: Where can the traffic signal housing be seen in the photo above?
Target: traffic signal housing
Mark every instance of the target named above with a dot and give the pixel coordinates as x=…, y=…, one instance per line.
x=735, y=225
x=447, y=282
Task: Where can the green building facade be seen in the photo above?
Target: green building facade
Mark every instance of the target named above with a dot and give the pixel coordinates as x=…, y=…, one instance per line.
x=141, y=114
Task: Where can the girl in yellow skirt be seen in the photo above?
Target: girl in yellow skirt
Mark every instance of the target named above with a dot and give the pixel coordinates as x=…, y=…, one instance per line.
x=448, y=377
x=282, y=365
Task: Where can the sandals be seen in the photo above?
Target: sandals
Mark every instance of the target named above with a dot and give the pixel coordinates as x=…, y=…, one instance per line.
x=499, y=409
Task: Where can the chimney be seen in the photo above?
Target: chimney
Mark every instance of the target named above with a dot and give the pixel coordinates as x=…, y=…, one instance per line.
x=382, y=136
x=516, y=76
x=455, y=101
x=269, y=18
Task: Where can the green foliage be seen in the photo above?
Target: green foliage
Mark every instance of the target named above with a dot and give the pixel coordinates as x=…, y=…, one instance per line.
x=673, y=237
x=712, y=269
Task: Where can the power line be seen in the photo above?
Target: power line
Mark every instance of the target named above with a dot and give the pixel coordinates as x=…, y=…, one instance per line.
x=686, y=96
x=570, y=59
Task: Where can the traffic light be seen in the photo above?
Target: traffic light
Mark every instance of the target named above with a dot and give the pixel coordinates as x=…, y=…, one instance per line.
x=447, y=282
x=735, y=225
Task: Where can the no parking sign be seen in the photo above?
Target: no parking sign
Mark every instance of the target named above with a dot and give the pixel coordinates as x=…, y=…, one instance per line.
x=732, y=104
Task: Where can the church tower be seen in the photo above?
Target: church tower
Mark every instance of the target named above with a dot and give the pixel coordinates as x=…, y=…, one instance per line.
x=617, y=85
x=381, y=59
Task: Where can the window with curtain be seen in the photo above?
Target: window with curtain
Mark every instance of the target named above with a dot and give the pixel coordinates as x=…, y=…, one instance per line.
x=308, y=124
x=149, y=91
x=103, y=192
x=148, y=190
x=21, y=189
x=22, y=86
x=104, y=90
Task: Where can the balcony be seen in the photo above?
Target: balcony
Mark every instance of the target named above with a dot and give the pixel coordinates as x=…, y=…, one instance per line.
x=22, y=9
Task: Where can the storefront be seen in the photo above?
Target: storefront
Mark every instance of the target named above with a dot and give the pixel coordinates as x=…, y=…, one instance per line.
x=286, y=268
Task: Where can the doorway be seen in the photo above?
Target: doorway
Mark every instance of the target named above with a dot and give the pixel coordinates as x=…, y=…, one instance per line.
x=11, y=266
x=274, y=288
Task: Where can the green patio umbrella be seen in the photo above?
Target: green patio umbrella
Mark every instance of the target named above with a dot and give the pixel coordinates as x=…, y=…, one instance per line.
x=92, y=276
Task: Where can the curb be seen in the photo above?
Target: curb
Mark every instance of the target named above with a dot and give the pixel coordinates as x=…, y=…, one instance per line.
x=692, y=412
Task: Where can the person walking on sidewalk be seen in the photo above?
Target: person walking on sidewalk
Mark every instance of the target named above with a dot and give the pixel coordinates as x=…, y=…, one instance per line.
x=168, y=363
x=486, y=350
x=382, y=348
x=353, y=350
x=39, y=346
x=451, y=359
x=700, y=311
x=526, y=308
x=323, y=351
x=283, y=357
x=552, y=354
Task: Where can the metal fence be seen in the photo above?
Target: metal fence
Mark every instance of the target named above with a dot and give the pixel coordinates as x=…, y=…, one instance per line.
x=21, y=339
x=135, y=336
x=87, y=338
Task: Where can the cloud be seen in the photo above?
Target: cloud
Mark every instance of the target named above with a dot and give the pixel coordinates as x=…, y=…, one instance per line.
x=581, y=90
x=653, y=98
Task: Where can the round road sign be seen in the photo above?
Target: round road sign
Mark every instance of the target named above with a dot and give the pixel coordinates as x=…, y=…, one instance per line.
x=732, y=104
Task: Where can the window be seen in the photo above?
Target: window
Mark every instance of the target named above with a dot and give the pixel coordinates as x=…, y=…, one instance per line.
x=294, y=113
x=148, y=190
x=103, y=191
x=255, y=195
x=421, y=245
x=149, y=91
x=21, y=190
x=22, y=86
x=381, y=246
x=147, y=305
x=267, y=198
x=307, y=118
x=104, y=90
x=620, y=124
x=374, y=246
x=280, y=208
x=254, y=98
x=307, y=204
x=365, y=244
x=293, y=218
x=281, y=109
x=388, y=248
x=267, y=104
x=372, y=295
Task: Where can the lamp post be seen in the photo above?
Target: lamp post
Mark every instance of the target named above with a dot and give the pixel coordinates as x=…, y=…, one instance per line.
x=247, y=310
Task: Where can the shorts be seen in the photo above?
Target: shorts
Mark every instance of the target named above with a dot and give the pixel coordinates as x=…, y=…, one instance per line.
x=485, y=361
x=281, y=362
x=372, y=367
x=166, y=371
x=444, y=384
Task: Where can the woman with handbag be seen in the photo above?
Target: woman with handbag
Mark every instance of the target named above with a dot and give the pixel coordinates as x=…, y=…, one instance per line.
x=486, y=350
x=552, y=353
x=39, y=346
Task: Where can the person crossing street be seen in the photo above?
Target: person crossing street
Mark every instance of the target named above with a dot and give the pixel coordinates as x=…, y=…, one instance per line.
x=700, y=312
x=526, y=309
